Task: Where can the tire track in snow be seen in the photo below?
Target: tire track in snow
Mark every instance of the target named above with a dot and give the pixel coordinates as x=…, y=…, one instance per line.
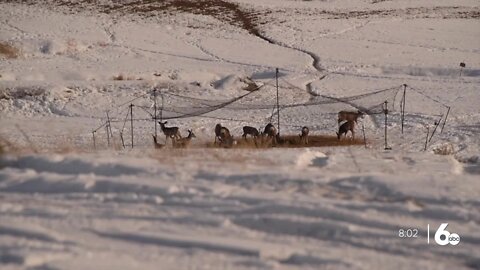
x=315, y=58
x=218, y=58
x=7, y=23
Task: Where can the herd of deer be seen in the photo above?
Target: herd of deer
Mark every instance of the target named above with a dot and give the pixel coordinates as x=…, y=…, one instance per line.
x=224, y=138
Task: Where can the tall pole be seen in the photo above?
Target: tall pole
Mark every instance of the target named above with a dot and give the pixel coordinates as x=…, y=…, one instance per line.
x=445, y=121
x=155, y=109
x=109, y=126
x=426, y=139
x=385, y=111
x=108, y=135
x=161, y=110
x=278, y=106
x=121, y=138
x=403, y=104
x=364, y=138
x=131, y=122
x=437, y=123
x=94, y=144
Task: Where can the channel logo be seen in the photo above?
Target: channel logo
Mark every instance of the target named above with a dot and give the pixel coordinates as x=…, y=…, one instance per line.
x=444, y=237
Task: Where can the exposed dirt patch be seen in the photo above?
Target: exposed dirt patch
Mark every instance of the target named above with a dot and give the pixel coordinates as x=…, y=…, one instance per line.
x=8, y=51
x=224, y=11
x=444, y=12
x=291, y=141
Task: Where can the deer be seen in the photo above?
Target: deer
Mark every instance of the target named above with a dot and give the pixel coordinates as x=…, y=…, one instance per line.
x=345, y=127
x=218, y=132
x=248, y=130
x=171, y=132
x=271, y=132
x=304, y=135
x=184, y=142
x=349, y=116
x=156, y=144
x=223, y=135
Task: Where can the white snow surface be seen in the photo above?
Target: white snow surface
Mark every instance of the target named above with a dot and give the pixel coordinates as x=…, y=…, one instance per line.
x=66, y=205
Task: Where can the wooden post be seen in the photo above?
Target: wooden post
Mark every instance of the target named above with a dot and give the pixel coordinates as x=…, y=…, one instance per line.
x=278, y=106
x=131, y=121
x=121, y=138
x=364, y=138
x=385, y=111
x=437, y=123
x=108, y=135
x=426, y=138
x=445, y=120
x=161, y=110
x=94, y=144
x=403, y=105
x=109, y=127
x=155, y=109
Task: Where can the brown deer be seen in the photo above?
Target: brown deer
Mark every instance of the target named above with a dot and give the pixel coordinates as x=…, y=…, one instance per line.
x=247, y=130
x=271, y=132
x=171, y=132
x=184, y=142
x=226, y=139
x=218, y=132
x=304, y=135
x=345, y=127
x=349, y=116
x=156, y=144
x=222, y=134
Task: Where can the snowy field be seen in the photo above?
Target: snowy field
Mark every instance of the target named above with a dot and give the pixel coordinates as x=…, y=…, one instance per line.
x=66, y=203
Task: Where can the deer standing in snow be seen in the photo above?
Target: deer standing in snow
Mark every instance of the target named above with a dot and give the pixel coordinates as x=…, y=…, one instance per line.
x=223, y=135
x=304, y=135
x=271, y=132
x=345, y=127
x=349, y=116
x=247, y=130
x=218, y=132
x=171, y=132
x=184, y=142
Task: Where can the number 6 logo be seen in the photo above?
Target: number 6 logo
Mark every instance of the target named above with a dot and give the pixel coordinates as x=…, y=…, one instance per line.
x=443, y=237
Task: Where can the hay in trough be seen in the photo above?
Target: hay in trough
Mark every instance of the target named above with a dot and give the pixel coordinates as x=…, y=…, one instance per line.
x=290, y=141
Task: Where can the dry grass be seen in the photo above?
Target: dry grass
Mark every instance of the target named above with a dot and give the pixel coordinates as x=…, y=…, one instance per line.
x=290, y=141
x=5, y=146
x=122, y=77
x=118, y=77
x=444, y=149
x=8, y=51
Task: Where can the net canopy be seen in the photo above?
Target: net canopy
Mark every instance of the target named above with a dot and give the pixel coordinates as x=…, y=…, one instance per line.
x=258, y=106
